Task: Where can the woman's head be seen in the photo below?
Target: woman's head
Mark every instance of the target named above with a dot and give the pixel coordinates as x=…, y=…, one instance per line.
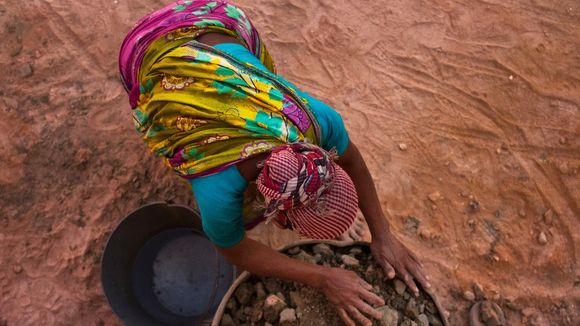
x=306, y=191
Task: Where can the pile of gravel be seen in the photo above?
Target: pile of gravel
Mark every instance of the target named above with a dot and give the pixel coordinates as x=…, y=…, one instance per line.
x=269, y=301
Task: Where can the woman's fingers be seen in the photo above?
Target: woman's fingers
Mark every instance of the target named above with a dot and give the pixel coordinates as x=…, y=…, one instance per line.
x=372, y=298
x=388, y=268
x=368, y=310
x=408, y=279
x=359, y=316
x=421, y=277
x=345, y=318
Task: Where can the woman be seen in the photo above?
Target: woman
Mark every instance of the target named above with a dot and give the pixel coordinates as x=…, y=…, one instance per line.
x=204, y=93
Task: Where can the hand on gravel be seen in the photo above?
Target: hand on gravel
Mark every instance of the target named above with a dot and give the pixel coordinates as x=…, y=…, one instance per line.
x=395, y=258
x=351, y=296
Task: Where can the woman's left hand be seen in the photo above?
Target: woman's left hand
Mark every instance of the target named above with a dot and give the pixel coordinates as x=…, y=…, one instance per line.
x=394, y=257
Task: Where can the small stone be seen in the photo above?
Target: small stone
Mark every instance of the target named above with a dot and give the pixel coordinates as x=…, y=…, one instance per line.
x=260, y=291
x=227, y=320
x=287, y=315
x=549, y=217
x=244, y=293
x=296, y=299
x=232, y=305
x=294, y=250
x=349, y=260
x=403, y=146
x=468, y=295
x=273, y=305
x=473, y=205
x=511, y=77
x=522, y=213
x=303, y=256
x=563, y=140
x=408, y=323
x=256, y=314
x=411, y=309
x=17, y=269
x=564, y=168
x=25, y=70
x=323, y=249
x=542, y=239
x=478, y=290
x=355, y=251
x=400, y=287
x=272, y=285
x=434, y=196
x=390, y=316
x=423, y=320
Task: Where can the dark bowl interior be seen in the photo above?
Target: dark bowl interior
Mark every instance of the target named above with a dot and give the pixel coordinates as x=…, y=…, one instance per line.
x=158, y=268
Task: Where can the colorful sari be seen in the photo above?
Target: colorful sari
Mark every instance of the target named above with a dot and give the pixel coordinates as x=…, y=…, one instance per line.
x=196, y=106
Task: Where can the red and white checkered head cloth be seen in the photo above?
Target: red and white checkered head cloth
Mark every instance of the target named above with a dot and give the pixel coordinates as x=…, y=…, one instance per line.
x=306, y=191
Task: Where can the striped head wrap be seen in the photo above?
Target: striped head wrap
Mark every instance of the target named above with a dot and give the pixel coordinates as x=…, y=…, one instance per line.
x=306, y=191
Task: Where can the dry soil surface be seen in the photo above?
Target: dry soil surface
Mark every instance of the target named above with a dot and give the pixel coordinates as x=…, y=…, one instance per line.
x=467, y=112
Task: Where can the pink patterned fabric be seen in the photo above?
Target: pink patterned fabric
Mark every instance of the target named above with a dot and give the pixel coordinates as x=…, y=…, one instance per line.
x=306, y=191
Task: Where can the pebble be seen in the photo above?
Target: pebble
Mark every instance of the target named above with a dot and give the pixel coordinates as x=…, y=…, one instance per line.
x=423, y=320
x=473, y=205
x=323, y=249
x=355, y=251
x=434, y=196
x=349, y=260
x=403, y=146
x=272, y=285
x=244, y=293
x=390, y=316
x=411, y=309
x=542, y=239
x=273, y=306
x=303, y=256
x=468, y=295
x=26, y=70
x=564, y=168
x=478, y=290
x=288, y=315
x=260, y=291
x=563, y=140
x=522, y=213
x=294, y=250
x=227, y=320
x=400, y=287
x=17, y=269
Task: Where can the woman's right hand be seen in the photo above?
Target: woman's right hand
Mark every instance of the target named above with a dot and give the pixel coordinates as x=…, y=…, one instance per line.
x=351, y=295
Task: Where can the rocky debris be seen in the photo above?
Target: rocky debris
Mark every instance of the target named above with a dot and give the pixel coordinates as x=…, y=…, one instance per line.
x=390, y=316
x=423, y=320
x=403, y=146
x=305, y=257
x=294, y=250
x=268, y=301
x=434, y=196
x=478, y=291
x=244, y=293
x=323, y=249
x=288, y=315
x=491, y=315
x=468, y=295
x=473, y=206
x=273, y=306
x=349, y=260
x=227, y=321
x=400, y=287
x=260, y=291
x=411, y=309
x=542, y=238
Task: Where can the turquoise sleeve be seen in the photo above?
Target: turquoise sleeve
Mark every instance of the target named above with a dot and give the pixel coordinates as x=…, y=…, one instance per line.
x=220, y=198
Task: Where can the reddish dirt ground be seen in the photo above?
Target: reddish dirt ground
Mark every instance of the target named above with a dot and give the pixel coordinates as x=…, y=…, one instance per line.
x=467, y=112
